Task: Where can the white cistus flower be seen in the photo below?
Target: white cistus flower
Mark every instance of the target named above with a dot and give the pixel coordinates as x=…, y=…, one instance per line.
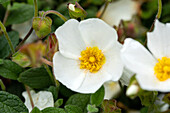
x=119, y=10
x=89, y=55
x=152, y=68
x=41, y=100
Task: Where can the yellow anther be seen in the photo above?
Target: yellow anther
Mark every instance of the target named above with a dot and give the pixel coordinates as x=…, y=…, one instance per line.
x=162, y=69
x=92, y=59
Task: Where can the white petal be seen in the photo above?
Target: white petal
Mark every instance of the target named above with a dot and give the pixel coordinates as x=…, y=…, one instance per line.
x=137, y=58
x=96, y=32
x=68, y=71
x=151, y=83
x=159, y=41
x=41, y=100
x=119, y=10
x=93, y=81
x=114, y=65
x=70, y=41
x=112, y=89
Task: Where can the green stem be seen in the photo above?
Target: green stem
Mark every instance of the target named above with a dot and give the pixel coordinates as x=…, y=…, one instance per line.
x=56, y=13
x=49, y=72
x=105, y=7
x=2, y=85
x=35, y=8
x=7, y=37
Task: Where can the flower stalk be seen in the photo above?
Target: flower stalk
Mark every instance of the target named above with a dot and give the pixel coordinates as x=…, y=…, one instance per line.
x=7, y=37
x=55, y=13
x=35, y=8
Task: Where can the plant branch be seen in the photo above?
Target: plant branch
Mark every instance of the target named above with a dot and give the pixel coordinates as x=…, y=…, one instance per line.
x=105, y=7
x=45, y=61
x=25, y=38
x=30, y=97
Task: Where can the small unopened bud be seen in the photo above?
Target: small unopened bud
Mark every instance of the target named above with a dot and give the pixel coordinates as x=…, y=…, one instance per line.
x=42, y=26
x=132, y=90
x=76, y=11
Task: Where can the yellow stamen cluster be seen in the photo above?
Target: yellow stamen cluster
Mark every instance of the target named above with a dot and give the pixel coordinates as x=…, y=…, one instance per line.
x=92, y=59
x=162, y=69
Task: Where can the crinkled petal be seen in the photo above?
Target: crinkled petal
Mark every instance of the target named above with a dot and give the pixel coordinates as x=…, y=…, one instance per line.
x=114, y=65
x=41, y=100
x=112, y=89
x=119, y=10
x=150, y=82
x=159, y=40
x=126, y=76
x=68, y=71
x=137, y=58
x=96, y=32
x=93, y=81
x=70, y=40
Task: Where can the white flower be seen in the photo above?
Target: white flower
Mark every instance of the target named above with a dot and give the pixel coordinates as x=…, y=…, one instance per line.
x=89, y=55
x=119, y=10
x=23, y=29
x=152, y=69
x=112, y=89
x=41, y=100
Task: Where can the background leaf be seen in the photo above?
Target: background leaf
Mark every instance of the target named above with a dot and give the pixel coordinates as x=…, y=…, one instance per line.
x=53, y=110
x=37, y=78
x=81, y=100
x=11, y=104
x=73, y=109
x=3, y=1
x=20, y=13
x=4, y=47
x=97, y=97
x=10, y=70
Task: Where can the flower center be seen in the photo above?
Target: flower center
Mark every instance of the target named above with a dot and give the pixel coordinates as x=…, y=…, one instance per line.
x=92, y=59
x=162, y=69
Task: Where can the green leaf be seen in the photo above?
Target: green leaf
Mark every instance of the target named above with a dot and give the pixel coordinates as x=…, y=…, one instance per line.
x=37, y=78
x=58, y=103
x=53, y=110
x=109, y=106
x=20, y=13
x=11, y=104
x=147, y=97
x=81, y=100
x=92, y=108
x=73, y=109
x=35, y=110
x=3, y=1
x=97, y=97
x=10, y=70
x=54, y=90
x=4, y=47
x=166, y=98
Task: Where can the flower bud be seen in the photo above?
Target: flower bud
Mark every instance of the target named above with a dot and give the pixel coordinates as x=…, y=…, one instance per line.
x=42, y=26
x=76, y=11
x=133, y=88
